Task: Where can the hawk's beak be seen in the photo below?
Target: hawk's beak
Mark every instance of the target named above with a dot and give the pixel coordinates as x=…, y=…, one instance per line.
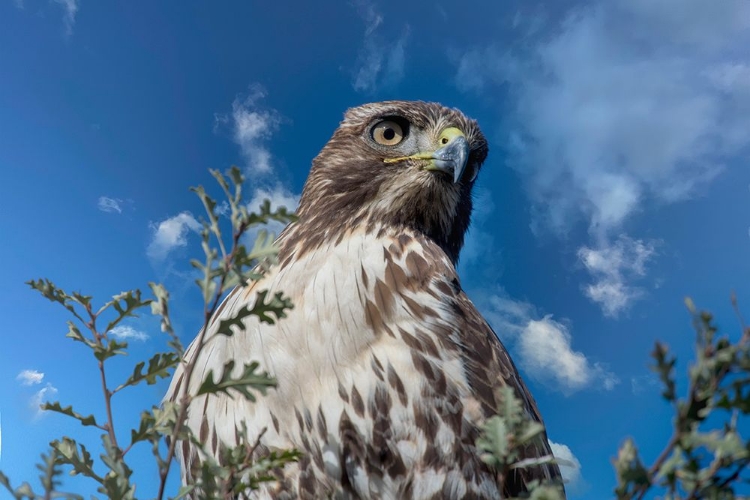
x=452, y=157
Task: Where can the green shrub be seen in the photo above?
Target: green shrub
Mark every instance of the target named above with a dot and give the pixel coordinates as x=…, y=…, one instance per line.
x=696, y=463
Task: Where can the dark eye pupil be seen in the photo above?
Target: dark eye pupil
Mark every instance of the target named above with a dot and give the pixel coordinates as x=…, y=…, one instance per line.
x=389, y=134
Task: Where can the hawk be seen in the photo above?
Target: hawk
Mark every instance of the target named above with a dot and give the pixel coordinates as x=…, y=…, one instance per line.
x=386, y=370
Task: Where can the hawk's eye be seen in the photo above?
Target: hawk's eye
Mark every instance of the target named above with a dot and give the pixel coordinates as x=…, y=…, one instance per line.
x=387, y=133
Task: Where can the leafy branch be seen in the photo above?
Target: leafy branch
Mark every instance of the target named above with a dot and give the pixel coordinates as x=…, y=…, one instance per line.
x=504, y=438
x=125, y=305
x=222, y=269
x=225, y=266
x=697, y=463
x=49, y=478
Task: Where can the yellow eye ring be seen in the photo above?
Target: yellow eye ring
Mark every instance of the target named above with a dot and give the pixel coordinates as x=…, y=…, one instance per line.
x=387, y=133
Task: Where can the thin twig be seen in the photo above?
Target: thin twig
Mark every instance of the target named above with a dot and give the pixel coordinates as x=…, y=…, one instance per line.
x=254, y=447
x=110, y=425
x=733, y=476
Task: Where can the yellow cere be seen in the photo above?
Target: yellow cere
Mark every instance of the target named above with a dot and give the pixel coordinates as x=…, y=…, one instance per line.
x=448, y=135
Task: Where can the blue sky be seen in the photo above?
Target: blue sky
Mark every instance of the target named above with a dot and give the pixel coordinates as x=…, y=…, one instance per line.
x=616, y=184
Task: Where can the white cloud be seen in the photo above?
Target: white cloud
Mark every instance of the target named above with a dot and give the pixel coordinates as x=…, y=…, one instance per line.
x=380, y=63
x=613, y=266
x=543, y=347
x=34, y=377
x=223, y=208
x=124, y=332
x=30, y=377
x=42, y=396
x=170, y=234
x=620, y=104
x=106, y=204
x=251, y=128
x=571, y=470
x=546, y=353
x=70, y=9
x=610, y=117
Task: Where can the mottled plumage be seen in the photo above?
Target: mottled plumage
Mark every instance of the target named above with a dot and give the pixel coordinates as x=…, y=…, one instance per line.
x=386, y=369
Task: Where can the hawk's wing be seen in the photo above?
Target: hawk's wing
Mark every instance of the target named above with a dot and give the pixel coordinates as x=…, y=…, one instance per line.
x=484, y=359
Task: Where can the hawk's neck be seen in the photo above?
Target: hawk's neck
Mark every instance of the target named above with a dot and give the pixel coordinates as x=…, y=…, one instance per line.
x=310, y=235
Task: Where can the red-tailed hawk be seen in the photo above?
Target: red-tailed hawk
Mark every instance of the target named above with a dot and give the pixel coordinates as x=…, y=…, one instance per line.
x=385, y=368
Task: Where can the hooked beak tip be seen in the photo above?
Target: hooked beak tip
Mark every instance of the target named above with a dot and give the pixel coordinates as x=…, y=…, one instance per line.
x=452, y=158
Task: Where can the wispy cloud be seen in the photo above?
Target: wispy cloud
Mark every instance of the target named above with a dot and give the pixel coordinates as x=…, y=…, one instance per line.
x=543, y=346
x=30, y=377
x=571, y=470
x=381, y=60
x=169, y=234
x=619, y=105
x=70, y=9
x=40, y=397
x=124, y=332
x=34, y=377
x=252, y=126
x=111, y=205
x=613, y=266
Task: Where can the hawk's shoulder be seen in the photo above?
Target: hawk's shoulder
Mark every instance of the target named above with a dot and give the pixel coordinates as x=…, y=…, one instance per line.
x=485, y=362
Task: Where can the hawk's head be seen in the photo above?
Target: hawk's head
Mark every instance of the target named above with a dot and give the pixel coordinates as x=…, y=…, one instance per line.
x=397, y=163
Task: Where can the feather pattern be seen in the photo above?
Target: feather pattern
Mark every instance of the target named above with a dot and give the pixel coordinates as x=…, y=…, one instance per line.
x=386, y=370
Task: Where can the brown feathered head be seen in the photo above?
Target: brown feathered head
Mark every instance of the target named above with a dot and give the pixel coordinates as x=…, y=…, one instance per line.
x=396, y=163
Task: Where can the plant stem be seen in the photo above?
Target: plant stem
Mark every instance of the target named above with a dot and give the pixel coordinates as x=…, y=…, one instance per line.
x=108, y=405
x=103, y=376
